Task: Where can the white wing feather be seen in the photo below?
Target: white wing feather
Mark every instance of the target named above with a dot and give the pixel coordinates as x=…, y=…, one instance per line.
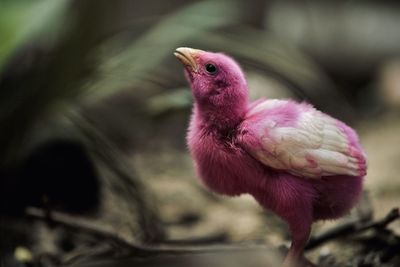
x=313, y=148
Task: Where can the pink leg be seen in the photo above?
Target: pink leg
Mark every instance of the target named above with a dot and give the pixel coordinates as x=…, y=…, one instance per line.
x=295, y=208
x=299, y=220
x=294, y=258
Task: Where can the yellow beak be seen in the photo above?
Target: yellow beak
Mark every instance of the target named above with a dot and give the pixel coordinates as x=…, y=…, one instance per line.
x=188, y=56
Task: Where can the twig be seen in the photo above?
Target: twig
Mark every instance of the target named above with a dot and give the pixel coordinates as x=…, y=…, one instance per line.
x=354, y=227
x=380, y=224
x=82, y=225
x=216, y=238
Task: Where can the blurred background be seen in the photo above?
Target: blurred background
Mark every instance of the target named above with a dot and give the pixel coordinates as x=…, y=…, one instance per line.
x=93, y=115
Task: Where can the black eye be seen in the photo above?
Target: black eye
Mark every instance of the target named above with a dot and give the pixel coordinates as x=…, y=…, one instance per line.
x=211, y=68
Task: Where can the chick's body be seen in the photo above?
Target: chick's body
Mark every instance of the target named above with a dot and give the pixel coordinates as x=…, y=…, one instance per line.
x=225, y=167
x=294, y=160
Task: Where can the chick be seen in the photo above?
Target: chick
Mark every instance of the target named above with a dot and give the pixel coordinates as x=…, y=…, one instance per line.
x=294, y=160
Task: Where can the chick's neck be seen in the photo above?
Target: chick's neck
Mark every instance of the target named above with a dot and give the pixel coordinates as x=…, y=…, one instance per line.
x=223, y=119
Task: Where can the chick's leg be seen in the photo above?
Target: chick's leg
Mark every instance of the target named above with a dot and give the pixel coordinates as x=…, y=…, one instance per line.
x=300, y=236
x=299, y=219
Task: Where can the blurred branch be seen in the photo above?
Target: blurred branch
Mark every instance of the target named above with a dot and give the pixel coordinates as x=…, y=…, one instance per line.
x=128, y=252
x=77, y=224
x=352, y=228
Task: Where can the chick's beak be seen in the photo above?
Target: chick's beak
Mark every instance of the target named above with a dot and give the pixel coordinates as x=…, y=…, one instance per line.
x=188, y=56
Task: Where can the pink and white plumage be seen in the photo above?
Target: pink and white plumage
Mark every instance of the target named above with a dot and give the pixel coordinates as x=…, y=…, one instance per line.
x=305, y=142
x=293, y=159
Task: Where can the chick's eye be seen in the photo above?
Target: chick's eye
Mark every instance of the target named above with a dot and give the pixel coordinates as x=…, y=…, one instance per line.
x=211, y=68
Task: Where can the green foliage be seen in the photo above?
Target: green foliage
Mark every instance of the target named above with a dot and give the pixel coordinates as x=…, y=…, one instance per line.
x=22, y=20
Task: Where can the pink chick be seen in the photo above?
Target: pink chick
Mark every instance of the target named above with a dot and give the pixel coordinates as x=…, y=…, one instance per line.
x=293, y=159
